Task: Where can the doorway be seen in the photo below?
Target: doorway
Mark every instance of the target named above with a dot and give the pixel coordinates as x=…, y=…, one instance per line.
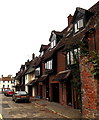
x=55, y=90
x=69, y=92
x=30, y=90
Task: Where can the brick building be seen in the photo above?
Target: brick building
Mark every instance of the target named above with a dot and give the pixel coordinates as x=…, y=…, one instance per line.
x=62, y=71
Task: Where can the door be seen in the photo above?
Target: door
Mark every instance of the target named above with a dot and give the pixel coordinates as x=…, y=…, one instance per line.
x=69, y=92
x=30, y=90
x=55, y=92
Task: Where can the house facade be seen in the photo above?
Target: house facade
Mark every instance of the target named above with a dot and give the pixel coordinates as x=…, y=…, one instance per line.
x=62, y=72
x=6, y=83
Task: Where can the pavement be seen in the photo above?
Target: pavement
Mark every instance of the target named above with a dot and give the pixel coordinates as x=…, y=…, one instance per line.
x=64, y=111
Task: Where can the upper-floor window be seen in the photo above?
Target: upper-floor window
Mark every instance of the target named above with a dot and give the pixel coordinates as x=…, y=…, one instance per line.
x=48, y=65
x=78, y=25
x=53, y=43
x=3, y=86
x=72, y=56
x=42, y=53
x=3, y=81
x=38, y=71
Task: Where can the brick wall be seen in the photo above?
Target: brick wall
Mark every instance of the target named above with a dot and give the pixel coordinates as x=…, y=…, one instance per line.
x=61, y=64
x=89, y=90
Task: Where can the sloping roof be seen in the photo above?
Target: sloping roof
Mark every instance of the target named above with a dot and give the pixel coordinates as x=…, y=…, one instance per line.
x=94, y=8
x=42, y=78
x=62, y=75
x=44, y=47
x=73, y=40
x=6, y=79
x=31, y=67
x=38, y=61
x=30, y=83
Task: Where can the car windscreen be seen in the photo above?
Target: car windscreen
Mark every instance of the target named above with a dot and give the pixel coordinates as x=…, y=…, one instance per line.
x=22, y=92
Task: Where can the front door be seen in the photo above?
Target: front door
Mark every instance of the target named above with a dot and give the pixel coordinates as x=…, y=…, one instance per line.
x=55, y=92
x=30, y=90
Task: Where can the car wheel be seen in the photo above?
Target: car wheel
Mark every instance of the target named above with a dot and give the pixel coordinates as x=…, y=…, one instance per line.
x=15, y=101
x=12, y=99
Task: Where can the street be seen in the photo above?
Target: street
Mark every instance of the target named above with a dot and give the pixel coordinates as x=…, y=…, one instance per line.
x=11, y=109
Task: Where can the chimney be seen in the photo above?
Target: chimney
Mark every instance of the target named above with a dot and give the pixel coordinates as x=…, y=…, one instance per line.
x=2, y=76
x=28, y=60
x=69, y=19
x=33, y=56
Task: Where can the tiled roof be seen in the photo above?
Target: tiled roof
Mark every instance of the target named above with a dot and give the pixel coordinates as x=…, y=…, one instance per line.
x=32, y=63
x=6, y=79
x=94, y=8
x=38, y=61
x=76, y=39
x=44, y=47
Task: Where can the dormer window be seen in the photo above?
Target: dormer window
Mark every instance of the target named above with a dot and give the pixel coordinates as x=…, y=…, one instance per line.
x=42, y=53
x=38, y=71
x=53, y=43
x=78, y=25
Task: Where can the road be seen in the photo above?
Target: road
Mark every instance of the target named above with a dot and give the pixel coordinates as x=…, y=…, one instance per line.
x=11, y=109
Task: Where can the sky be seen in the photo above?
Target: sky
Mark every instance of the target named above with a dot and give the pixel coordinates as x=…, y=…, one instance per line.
x=26, y=24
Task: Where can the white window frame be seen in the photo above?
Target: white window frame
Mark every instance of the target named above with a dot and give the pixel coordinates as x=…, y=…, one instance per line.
x=68, y=60
x=78, y=25
x=38, y=69
x=48, y=64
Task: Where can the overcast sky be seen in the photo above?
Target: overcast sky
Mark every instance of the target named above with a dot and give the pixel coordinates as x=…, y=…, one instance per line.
x=26, y=24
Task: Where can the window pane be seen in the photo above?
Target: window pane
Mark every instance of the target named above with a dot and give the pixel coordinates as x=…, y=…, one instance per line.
x=76, y=29
x=71, y=57
x=80, y=23
x=54, y=42
x=68, y=60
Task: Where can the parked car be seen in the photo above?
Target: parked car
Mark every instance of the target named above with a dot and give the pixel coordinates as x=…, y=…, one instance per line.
x=21, y=96
x=9, y=92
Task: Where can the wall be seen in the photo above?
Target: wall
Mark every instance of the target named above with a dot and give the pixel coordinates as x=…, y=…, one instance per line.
x=61, y=64
x=89, y=90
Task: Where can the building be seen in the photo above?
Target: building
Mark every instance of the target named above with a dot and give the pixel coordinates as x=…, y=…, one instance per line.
x=62, y=73
x=6, y=83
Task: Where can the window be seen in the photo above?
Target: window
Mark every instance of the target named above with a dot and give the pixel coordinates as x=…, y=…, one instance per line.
x=78, y=25
x=53, y=43
x=68, y=61
x=38, y=71
x=3, y=81
x=76, y=28
x=8, y=81
x=25, y=77
x=73, y=55
x=48, y=64
x=3, y=86
x=8, y=86
x=42, y=53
